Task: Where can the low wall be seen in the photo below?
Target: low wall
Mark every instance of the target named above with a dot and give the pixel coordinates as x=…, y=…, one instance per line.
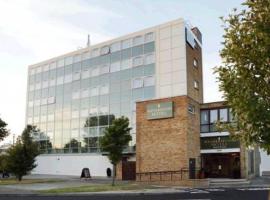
x=72, y=164
x=184, y=183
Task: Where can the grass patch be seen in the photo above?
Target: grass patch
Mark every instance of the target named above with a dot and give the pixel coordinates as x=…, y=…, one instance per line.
x=98, y=188
x=12, y=181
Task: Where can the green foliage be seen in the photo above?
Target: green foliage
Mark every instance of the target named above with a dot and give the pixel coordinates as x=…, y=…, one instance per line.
x=3, y=131
x=3, y=162
x=116, y=138
x=21, y=156
x=245, y=74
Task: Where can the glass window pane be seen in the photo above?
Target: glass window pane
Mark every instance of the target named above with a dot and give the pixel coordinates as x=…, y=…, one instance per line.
x=137, y=40
x=149, y=59
x=126, y=64
x=149, y=47
x=213, y=116
x=223, y=115
x=137, y=71
x=149, y=69
x=126, y=43
x=204, y=117
x=137, y=51
x=149, y=92
x=149, y=81
x=149, y=37
x=137, y=83
x=116, y=47
x=126, y=53
x=115, y=67
x=137, y=61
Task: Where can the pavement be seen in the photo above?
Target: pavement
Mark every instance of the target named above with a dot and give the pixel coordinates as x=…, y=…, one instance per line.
x=257, y=184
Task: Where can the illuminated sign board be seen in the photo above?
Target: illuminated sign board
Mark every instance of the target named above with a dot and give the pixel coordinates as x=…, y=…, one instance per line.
x=222, y=142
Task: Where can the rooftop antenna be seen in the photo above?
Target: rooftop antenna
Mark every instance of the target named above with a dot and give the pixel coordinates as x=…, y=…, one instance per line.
x=88, y=41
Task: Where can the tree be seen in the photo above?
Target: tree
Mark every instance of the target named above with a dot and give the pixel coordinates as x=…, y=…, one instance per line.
x=21, y=156
x=116, y=138
x=245, y=73
x=3, y=131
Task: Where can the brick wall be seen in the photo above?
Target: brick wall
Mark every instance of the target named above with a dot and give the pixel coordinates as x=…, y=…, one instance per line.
x=167, y=144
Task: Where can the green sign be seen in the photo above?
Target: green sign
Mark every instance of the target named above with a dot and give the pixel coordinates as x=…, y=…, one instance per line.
x=160, y=110
x=222, y=142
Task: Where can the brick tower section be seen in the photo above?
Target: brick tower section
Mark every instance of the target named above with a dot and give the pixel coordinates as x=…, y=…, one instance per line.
x=167, y=144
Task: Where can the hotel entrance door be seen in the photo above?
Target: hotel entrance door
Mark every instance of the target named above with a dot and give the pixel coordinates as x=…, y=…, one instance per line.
x=226, y=165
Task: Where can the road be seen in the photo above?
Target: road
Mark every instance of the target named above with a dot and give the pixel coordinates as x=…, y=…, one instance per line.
x=191, y=194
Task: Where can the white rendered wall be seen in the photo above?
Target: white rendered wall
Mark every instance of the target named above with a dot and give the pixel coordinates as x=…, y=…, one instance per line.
x=171, y=72
x=72, y=164
x=265, y=162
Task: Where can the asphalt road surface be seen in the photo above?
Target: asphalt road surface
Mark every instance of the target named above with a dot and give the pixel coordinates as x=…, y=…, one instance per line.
x=192, y=194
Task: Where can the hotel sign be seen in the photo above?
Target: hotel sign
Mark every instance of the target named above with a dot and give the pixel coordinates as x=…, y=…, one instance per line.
x=160, y=110
x=222, y=142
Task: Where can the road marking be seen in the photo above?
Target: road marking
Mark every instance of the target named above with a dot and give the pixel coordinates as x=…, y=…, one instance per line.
x=198, y=191
x=254, y=189
x=215, y=190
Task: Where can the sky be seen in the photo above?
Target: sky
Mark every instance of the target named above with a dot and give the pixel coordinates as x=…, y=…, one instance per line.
x=35, y=30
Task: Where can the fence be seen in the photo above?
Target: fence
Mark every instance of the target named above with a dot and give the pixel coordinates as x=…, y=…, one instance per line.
x=183, y=174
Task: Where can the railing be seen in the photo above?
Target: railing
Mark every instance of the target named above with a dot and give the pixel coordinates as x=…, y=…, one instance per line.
x=182, y=174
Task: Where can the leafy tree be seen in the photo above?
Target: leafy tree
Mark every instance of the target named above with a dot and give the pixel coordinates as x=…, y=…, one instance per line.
x=116, y=138
x=3, y=162
x=3, y=131
x=21, y=156
x=245, y=73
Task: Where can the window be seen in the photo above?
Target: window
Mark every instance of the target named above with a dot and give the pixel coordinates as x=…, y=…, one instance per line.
x=223, y=115
x=76, y=95
x=204, y=121
x=94, y=91
x=105, y=50
x=125, y=64
x=137, y=83
x=210, y=117
x=213, y=115
x=195, y=63
x=137, y=50
x=86, y=55
x=104, y=89
x=85, y=74
x=76, y=76
x=149, y=59
x=38, y=70
x=137, y=61
x=126, y=44
x=76, y=58
x=196, y=84
x=115, y=67
x=104, y=110
x=95, y=72
x=32, y=71
x=149, y=37
x=68, y=60
x=137, y=40
x=105, y=69
x=60, y=63
x=149, y=81
x=45, y=68
x=93, y=111
x=85, y=93
x=149, y=47
x=68, y=78
x=51, y=100
x=191, y=109
x=115, y=47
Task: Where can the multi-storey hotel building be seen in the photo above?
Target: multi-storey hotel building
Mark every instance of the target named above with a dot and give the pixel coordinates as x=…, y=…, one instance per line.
x=74, y=97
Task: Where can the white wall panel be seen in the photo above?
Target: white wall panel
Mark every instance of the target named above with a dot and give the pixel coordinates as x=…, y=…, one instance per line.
x=72, y=164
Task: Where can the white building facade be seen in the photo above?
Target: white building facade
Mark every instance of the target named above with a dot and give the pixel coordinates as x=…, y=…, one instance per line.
x=74, y=97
